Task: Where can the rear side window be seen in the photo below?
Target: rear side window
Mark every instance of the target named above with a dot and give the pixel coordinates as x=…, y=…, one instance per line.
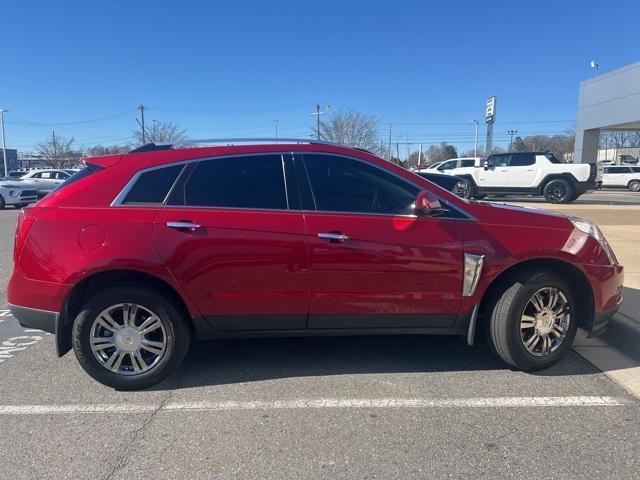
x=255, y=181
x=154, y=185
x=499, y=160
x=617, y=170
x=522, y=159
x=467, y=163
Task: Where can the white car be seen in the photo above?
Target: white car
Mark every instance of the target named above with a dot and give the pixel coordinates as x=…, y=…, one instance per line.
x=529, y=173
x=16, y=193
x=456, y=163
x=47, y=180
x=622, y=176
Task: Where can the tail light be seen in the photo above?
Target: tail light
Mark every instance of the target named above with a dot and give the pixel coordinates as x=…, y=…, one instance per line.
x=26, y=218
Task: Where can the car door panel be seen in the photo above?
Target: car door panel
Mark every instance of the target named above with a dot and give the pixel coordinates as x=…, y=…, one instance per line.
x=245, y=270
x=391, y=271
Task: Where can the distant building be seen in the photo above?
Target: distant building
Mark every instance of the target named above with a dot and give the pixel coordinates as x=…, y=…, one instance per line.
x=607, y=102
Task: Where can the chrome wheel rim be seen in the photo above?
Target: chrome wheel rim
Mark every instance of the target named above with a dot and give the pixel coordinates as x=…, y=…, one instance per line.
x=635, y=186
x=544, y=322
x=128, y=339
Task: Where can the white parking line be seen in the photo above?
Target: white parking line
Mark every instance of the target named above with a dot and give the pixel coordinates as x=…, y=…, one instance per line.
x=317, y=404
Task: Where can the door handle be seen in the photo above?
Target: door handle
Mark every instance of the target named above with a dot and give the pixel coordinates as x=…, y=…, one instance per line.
x=183, y=225
x=333, y=236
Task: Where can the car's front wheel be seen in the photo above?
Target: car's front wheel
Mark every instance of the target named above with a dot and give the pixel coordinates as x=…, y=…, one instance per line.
x=129, y=337
x=532, y=323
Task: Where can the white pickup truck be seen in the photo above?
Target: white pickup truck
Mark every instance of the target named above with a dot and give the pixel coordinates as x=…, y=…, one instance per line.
x=529, y=173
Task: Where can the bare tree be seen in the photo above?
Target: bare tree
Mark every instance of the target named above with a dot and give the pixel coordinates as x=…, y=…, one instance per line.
x=161, y=132
x=98, y=150
x=58, y=152
x=438, y=153
x=354, y=129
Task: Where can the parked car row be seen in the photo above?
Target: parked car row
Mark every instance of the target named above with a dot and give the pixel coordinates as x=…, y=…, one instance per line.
x=18, y=188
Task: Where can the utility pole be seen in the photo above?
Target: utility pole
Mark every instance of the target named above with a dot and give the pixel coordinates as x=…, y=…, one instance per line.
x=4, y=146
x=55, y=145
x=144, y=136
x=512, y=133
x=398, y=151
x=317, y=113
x=476, y=147
x=275, y=122
x=419, y=156
x=389, y=142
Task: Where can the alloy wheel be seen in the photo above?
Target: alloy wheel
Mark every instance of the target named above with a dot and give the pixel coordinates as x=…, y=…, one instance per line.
x=558, y=192
x=544, y=323
x=128, y=339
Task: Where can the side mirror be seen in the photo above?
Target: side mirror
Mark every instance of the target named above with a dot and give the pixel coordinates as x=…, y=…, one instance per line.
x=487, y=166
x=427, y=204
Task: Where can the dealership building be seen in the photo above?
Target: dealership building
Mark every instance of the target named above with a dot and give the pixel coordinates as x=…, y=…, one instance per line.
x=607, y=102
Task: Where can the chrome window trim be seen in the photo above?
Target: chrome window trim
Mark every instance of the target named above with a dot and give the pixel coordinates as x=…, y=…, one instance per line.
x=117, y=201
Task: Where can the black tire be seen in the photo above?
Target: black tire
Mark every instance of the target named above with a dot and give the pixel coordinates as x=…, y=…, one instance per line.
x=174, y=322
x=20, y=205
x=634, y=185
x=469, y=189
x=504, y=328
x=558, y=191
x=2, y=204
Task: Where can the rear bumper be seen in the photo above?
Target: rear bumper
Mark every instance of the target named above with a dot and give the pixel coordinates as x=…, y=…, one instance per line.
x=34, y=318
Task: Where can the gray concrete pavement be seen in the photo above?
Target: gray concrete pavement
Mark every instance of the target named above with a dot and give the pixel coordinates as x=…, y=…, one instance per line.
x=313, y=408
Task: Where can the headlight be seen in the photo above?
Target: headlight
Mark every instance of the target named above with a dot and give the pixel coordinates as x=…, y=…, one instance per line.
x=593, y=231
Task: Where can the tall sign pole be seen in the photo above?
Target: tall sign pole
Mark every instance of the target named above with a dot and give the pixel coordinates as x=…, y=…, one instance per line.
x=490, y=117
x=4, y=146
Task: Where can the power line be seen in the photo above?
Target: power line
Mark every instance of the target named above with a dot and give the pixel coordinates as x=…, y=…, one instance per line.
x=78, y=122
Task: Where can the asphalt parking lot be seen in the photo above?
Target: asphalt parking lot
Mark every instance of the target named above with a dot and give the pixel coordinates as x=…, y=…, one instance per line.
x=379, y=407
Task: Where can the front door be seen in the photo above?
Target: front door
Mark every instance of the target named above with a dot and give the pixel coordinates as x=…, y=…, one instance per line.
x=495, y=172
x=522, y=170
x=373, y=263
x=238, y=250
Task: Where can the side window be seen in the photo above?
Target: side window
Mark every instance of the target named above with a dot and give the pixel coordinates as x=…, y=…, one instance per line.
x=522, y=159
x=36, y=175
x=153, y=186
x=450, y=165
x=468, y=163
x=499, y=160
x=46, y=175
x=60, y=175
x=341, y=184
x=255, y=181
x=618, y=170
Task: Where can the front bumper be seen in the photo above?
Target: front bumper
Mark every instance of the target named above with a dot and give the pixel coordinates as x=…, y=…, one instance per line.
x=601, y=322
x=33, y=318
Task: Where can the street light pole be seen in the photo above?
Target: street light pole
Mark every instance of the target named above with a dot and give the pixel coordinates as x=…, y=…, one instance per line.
x=476, y=147
x=512, y=133
x=275, y=122
x=4, y=146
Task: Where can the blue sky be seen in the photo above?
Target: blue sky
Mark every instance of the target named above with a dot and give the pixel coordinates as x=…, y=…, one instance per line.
x=231, y=68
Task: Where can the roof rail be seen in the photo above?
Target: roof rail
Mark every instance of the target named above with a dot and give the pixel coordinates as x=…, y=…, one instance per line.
x=233, y=141
x=150, y=147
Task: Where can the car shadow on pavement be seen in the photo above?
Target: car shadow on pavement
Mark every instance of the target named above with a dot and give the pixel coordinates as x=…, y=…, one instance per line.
x=220, y=362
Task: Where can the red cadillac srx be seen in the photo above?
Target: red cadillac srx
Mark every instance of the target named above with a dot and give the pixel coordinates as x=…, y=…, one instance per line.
x=137, y=253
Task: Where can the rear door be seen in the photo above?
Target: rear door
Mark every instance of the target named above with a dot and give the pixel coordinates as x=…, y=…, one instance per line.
x=373, y=263
x=231, y=236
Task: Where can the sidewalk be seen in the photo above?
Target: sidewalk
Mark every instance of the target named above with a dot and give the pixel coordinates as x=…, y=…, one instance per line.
x=617, y=352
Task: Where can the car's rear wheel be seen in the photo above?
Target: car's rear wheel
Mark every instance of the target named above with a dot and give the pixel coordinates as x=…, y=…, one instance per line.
x=465, y=188
x=634, y=185
x=129, y=337
x=532, y=323
x=558, y=191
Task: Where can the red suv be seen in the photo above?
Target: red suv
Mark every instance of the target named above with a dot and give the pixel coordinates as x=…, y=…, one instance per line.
x=138, y=253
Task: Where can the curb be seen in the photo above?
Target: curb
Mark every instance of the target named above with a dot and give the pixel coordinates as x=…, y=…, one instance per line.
x=616, y=352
